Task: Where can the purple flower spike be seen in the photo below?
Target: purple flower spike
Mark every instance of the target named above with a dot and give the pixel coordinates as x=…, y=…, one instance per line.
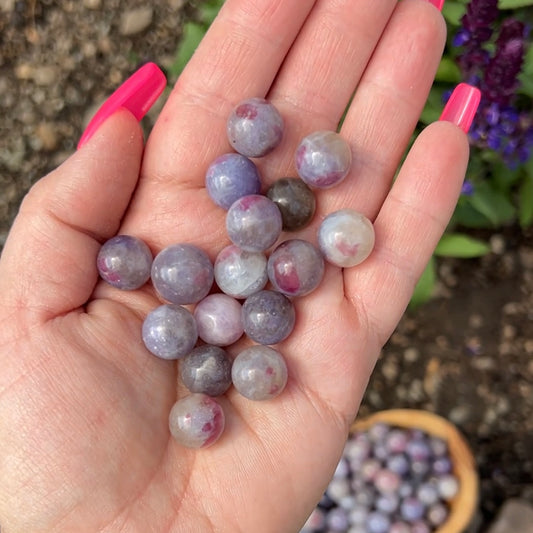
x=498, y=126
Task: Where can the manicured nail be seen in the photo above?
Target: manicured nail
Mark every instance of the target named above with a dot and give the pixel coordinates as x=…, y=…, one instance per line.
x=437, y=3
x=137, y=94
x=462, y=106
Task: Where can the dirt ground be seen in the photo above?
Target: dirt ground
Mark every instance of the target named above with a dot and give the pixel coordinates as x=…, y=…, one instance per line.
x=467, y=355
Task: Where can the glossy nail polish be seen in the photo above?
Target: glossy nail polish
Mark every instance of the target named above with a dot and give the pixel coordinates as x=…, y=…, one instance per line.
x=437, y=3
x=137, y=94
x=462, y=106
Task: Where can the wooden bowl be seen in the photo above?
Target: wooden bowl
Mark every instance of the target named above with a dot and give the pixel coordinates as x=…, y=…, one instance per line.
x=464, y=505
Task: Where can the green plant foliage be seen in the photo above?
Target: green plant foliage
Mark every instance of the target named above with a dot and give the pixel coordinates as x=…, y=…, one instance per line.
x=448, y=71
x=526, y=198
x=210, y=10
x=453, y=11
x=426, y=285
x=514, y=4
x=433, y=108
x=489, y=202
x=461, y=246
x=193, y=33
x=526, y=77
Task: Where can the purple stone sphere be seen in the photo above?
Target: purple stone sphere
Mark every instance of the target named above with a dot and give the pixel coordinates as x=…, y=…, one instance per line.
x=196, y=421
x=239, y=273
x=254, y=127
x=124, y=262
x=412, y=509
x=207, y=369
x=182, y=274
x=253, y=223
x=295, y=267
x=231, y=176
x=268, y=317
x=346, y=238
x=219, y=319
x=323, y=159
x=259, y=373
x=169, y=331
x=378, y=522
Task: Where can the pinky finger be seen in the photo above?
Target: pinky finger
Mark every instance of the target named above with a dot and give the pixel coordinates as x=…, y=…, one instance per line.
x=414, y=216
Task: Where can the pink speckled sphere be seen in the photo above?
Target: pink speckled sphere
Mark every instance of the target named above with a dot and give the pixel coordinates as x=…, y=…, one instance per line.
x=239, y=273
x=254, y=127
x=295, y=267
x=323, y=159
x=196, y=421
x=259, y=373
x=346, y=238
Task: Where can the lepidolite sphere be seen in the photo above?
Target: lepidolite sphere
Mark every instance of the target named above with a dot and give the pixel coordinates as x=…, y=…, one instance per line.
x=169, y=331
x=295, y=200
x=125, y=262
x=219, y=319
x=253, y=223
x=231, y=176
x=182, y=274
x=239, y=273
x=207, y=369
x=259, y=373
x=346, y=238
x=323, y=159
x=268, y=317
x=196, y=421
x=254, y=127
x=295, y=267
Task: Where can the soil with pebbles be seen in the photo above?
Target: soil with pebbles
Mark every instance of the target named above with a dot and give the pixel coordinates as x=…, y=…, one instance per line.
x=467, y=355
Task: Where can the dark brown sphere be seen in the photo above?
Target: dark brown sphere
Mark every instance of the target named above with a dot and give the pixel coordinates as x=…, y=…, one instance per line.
x=295, y=200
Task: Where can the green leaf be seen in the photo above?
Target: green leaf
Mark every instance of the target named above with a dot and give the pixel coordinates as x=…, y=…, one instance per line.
x=525, y=201
x=210, y=10
x=459, y=245
x=503, y=178
x=448, y=71
x=192, y=35
x=433, y=107
x=466, y=215
x=453, y=12
x=528, y=61
x=526, y=76
x=492, y=204
x=514, y=4
x=425, y=286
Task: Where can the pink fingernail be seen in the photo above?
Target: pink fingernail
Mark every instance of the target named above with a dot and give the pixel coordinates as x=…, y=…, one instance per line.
x=137, y=94
x=462, y=106
x=437, y=3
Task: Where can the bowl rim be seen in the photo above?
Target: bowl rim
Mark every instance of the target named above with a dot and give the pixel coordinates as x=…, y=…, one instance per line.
x=464, y=505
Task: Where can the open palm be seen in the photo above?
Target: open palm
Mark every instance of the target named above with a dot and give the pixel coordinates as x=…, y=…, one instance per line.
x=84, y=407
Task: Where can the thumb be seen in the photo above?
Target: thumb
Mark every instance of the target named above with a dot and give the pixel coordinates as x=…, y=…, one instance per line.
x=48, y=265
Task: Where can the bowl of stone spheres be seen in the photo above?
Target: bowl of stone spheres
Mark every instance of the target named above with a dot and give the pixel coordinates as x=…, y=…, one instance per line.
x=401, y=471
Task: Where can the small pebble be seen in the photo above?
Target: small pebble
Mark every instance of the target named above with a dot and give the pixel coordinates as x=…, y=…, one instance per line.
x=135, y=20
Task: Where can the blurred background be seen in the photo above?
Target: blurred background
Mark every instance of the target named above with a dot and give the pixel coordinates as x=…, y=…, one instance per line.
x=464, y=348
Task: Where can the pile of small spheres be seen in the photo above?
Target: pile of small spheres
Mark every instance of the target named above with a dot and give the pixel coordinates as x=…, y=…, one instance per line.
x=182, y=274
x=389, y=480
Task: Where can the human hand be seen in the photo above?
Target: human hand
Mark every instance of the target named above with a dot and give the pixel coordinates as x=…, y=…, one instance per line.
x=83, y=405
